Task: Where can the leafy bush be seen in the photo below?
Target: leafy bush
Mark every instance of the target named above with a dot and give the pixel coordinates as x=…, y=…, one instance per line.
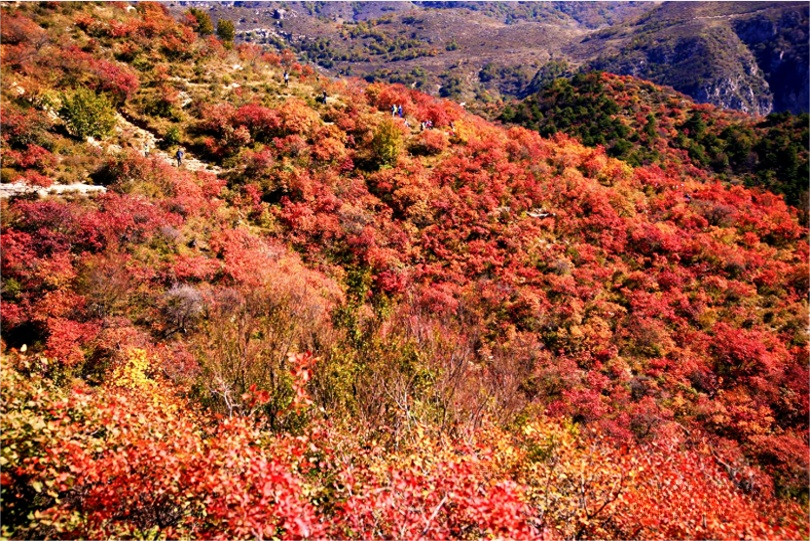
x=87, y=114
x=172, y=137
x=8, y=175
x=429, y=143
x=387, y=142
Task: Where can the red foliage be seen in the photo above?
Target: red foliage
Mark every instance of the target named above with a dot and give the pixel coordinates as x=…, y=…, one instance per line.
x=585, y=288
x=262, y=122
x=446, y=500
x=746, y=353
x=33, y=178
x=250, y=53
x=18, y=29
x=120, y=81
x=66, y=338
x=431, y=142
x=271, y=59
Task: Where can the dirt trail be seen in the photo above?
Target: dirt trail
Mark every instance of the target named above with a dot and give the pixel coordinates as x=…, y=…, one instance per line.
x=139, y=137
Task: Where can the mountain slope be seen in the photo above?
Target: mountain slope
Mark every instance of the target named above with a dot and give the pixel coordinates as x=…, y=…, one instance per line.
x=779, y=43
x=642, y=123
x=719, y=53
x=353, y=327
x=740, y=55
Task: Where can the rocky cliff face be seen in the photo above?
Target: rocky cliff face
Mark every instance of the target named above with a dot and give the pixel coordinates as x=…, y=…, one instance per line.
x=735, y=93
x=712, y=65
x=745, y=56
x=779, y=43
x=737, y=82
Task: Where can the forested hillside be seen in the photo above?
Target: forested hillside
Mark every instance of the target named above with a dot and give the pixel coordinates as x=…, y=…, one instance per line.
x=330, y=321
x=642, y=123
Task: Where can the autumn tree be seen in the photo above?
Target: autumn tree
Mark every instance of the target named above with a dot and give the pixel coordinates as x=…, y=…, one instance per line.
x=387, y=142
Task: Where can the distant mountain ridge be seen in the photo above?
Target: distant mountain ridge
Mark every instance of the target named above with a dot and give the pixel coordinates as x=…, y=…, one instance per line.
x=748, y=56
x=751, y=57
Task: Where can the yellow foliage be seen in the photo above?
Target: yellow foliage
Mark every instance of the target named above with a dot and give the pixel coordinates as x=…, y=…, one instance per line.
x=133, y=374
x=464, y=131
x=136, y=374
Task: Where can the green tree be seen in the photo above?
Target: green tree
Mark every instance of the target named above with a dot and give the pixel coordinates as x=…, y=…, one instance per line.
x=87, y=114
x=651, y=127
x=204, y=25
x=226, y=30
x=696, y=125
x=451, y=87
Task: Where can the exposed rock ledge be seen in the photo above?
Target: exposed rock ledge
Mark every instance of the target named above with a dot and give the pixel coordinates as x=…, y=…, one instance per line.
x=18, y=188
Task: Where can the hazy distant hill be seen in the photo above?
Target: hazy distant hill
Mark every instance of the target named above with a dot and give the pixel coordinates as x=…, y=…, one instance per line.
x=750, y=56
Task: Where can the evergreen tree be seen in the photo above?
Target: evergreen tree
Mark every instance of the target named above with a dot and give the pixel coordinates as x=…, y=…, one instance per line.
x=226, y=30
x=204, y=25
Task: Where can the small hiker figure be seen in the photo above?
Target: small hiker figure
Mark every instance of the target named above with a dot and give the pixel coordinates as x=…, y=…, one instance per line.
x=322, y=99
x=286, y=79
x=179, y=155
x=688, y=198
x=422, y=126
x=394, y=110
x=399, y=110
x=146, y=149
